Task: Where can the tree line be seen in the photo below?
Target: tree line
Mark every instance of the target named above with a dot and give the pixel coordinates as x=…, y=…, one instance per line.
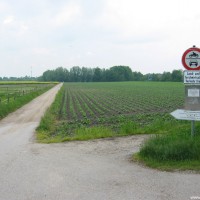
x=115, y=73
x=25, y=78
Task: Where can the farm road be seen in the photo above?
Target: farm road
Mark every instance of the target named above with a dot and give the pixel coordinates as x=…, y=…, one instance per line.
x=92, y=170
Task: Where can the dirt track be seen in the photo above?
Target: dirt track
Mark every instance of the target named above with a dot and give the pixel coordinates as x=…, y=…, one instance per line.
x=93, y=170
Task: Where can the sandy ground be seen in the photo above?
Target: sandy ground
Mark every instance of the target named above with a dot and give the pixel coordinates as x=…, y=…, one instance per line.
x=92, y=170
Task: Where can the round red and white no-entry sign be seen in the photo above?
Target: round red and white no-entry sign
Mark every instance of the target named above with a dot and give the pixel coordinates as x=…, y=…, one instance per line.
x=191, y=59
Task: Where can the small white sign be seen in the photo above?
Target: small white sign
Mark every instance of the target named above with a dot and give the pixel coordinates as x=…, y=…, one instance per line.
x=191, y=77
x=193, y=92
x=186, y=114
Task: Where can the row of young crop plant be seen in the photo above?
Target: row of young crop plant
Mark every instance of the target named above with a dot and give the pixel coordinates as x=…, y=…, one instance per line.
x=89, y=103
x=110, y=109
x=79, y=106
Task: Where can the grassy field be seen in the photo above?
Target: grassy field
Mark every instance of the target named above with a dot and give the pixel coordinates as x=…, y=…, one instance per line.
x=15, y=94
x=25, y=83
x=122, y=108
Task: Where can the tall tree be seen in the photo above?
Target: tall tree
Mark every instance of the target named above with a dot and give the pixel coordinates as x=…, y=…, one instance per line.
x=166, y=76
x=97, y=77
x=75, y=74
x=120, y=73
x=177, y=75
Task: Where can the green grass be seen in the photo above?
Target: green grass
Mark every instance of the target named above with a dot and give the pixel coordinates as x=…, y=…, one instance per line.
x=14, y=94
x=175, y=147
x=6, y=108
x=79, y=134
x=171, y=151
x=193, y=165
x=24, y=82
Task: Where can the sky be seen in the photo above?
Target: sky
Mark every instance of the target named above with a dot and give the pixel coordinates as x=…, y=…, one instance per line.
x=149, y=36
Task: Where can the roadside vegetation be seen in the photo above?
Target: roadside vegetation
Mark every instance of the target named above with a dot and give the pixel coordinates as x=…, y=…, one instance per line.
x=83, y=111
x=171, y=151
x=26, y=83
x=13, y=95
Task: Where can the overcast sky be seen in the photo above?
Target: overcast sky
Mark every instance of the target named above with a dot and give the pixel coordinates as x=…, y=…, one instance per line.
x=150, y=36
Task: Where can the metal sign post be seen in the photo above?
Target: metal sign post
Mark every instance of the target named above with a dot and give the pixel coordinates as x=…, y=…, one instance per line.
x=192, y=127
x=187, y=115
x=191, y=62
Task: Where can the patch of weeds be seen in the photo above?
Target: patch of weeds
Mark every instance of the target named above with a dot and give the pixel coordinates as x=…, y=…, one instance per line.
x=171, y=151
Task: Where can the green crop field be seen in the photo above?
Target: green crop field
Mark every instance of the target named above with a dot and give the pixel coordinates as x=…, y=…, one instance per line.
x=83, y=111
x=94, y=101
x=122, y=107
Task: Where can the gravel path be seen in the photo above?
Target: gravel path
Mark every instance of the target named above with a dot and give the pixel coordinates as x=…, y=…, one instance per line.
x=92, y=170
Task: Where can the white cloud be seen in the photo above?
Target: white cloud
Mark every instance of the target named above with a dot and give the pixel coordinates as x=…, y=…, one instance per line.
x=68, y=14
x=42, y=51
x=23, y=28
x=13, y=27
x=8, y=20
x=89, y=53
x=133, y=18
x=3, y=7
x=146, y=35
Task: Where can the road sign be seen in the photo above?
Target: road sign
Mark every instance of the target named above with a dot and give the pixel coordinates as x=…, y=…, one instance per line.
x=191, y=59
x=192, y=97
x=192, y=77
x=186, y=114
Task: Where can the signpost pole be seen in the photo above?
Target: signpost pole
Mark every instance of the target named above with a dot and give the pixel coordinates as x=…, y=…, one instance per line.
x=191, y=62
x=193, y=128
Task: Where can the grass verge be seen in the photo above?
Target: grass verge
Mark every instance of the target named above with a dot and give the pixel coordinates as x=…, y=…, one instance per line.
x=52, y=129
x=5, y=109
x=171, y=151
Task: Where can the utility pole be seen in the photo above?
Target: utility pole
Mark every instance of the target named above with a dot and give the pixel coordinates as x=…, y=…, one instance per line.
x=31, y=72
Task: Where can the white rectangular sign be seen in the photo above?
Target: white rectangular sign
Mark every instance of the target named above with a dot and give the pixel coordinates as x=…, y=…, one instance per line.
x=191, y=77
x=186, y=114
x=193, y=92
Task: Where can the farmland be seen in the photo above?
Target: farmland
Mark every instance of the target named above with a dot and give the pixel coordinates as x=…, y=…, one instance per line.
x=120, y=107
x=15, y=94
x=104, y=100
